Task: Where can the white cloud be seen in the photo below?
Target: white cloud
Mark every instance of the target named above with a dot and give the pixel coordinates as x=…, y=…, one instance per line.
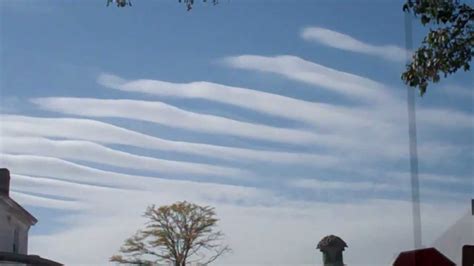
x=431, y=178
x=314, y=113
x=361, y=128
x=446, y=118
x=345, y=42
x=381, y=103
x=46, y=202
x=57, y=187
x=350, y=142
x=339, y=142
x=48, y=166
x=298, y=69
x=459, y=91
x=250, y=217
x=263, y=228
x=105, y=182
x=161, y=113
x=354, y=185
x=283, y=234
x=92, y=152
x=92, y=130
x=385, y=185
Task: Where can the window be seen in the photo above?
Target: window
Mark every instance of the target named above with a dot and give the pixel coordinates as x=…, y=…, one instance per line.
x=16, y=240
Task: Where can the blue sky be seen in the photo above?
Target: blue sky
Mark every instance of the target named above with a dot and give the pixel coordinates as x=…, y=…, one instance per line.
x=276, y=113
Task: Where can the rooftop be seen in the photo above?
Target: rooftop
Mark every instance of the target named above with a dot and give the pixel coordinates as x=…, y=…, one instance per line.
x=11, y=204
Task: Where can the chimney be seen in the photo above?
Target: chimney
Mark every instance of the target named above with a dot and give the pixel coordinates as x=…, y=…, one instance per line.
x=4, y=182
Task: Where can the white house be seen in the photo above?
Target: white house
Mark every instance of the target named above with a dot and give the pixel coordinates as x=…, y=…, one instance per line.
x=15, y=222
x=459, y=234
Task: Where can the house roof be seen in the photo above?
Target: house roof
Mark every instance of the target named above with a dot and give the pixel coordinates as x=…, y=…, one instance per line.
x=423, y=257
x=26, y=259
x=18, y=209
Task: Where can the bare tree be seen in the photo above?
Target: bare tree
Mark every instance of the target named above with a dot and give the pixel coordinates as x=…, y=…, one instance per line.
x=180, y=233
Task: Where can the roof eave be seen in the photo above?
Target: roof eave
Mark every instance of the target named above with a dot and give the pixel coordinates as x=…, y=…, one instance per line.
x=20, y=210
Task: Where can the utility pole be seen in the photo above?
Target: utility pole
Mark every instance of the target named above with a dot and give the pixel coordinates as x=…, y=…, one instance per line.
x=415, y=183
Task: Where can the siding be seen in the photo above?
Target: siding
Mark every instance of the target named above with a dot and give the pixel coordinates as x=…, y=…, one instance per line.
x=7, y=229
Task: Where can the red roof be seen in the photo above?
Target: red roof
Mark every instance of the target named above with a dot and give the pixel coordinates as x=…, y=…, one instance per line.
x=423, y=257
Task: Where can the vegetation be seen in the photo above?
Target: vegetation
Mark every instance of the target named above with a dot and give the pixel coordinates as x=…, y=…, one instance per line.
x=120, y=3
x=189, y=3
x=447, y=48
x=180, y=233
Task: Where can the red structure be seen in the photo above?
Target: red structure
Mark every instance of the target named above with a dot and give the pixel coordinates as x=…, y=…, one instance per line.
x=467, y=255
x=422, y=257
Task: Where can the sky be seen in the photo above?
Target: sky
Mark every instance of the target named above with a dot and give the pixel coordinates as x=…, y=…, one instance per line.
x=288, y=117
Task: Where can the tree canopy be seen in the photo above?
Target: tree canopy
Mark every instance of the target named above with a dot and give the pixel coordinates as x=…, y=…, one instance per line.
x=447, y=48
x=179, y=233
x=189, y=3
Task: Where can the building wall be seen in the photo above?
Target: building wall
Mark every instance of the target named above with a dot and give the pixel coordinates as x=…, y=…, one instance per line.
x=8, y=263
x=8, y=223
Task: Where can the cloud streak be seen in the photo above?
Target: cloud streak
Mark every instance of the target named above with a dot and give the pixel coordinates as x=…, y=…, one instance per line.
x=380, y=124
x=92, y=152
x=53, y=167
x=298, y=69
x=60, y=163
x=152, y=112
x=161, y=113
x=345, y=42
x=380, y=103
x=32, y=200
x=313, y=113
x=245, y=213
x=96, y=131
x=62, y=175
